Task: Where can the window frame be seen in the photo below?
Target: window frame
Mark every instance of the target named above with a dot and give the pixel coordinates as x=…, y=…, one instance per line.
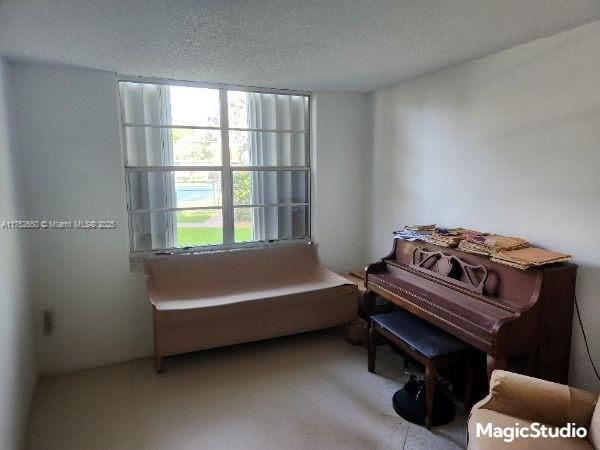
x=227, y=206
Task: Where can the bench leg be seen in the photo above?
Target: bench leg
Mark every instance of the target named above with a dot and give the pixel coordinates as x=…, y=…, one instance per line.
x=372, y=349
x=159, y=364
x=430, y=376
x=158, y=359
x=347, y=332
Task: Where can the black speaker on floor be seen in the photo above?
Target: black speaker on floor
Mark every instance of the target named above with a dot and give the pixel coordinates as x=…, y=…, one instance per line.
x=409, y=403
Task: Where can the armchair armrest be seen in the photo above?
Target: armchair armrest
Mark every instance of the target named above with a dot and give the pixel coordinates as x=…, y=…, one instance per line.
x=538, y=400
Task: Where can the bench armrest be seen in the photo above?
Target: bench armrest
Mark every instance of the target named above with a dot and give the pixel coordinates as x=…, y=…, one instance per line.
x=538, y=400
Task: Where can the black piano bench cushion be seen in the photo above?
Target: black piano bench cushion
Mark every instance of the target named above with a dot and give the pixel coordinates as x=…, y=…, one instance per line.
x=425, y=338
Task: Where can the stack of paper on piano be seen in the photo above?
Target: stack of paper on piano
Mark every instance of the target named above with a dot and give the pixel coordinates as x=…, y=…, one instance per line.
x=525, y=258
x=490, y=244
x=446, y=237
x=414, y=232
x=470, y=247
x=424, y=228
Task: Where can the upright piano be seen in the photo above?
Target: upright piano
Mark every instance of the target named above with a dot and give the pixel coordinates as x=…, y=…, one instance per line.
x=502, y=311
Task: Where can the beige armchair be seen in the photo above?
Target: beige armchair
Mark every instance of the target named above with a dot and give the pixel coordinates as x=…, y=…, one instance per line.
x=521, y=402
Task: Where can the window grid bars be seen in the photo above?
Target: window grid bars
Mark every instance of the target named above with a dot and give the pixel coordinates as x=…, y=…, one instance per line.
x=200, y=127
x=226, y=175
x=219, y=207
x=226, y=169
x=217, y=168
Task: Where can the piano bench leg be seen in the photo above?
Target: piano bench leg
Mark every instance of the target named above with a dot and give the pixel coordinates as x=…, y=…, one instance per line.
x=430, y=376
x=372, y=349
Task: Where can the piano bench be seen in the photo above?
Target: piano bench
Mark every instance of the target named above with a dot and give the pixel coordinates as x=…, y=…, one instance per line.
x=427, y=344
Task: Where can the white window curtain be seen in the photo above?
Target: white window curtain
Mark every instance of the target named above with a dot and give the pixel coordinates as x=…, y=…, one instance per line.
x=276, y=112
x=150, y=104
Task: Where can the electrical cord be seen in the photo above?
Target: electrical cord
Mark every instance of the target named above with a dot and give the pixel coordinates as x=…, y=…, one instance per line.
x=587, y=347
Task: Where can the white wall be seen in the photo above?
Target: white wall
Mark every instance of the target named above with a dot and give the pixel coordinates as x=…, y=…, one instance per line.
x=17, y=351
x=71, y=168
x=509, y=143
x=341, y=141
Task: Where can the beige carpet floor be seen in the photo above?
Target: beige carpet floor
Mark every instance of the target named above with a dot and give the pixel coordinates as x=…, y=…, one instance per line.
x=310, y=391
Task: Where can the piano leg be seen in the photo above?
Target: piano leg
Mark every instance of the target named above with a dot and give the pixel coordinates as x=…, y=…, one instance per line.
x=369, y=302
x=372, y=349
x=469, y=383
x=532, y=362
x=494, y=363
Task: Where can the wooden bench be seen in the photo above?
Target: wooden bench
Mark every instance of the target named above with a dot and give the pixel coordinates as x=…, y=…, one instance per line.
x=209, y=300
x=425, y=343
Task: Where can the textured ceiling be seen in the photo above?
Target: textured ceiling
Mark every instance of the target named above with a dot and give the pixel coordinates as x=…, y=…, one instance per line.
x=344, y=45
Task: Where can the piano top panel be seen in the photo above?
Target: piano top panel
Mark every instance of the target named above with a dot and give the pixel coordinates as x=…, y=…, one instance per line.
x=517, y=289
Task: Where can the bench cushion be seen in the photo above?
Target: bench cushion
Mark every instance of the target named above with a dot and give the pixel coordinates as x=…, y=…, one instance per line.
x=427, y=339
x=215, y=299
x=242, y=277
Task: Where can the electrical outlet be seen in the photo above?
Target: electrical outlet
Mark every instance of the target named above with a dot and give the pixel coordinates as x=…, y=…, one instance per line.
x=48, y=322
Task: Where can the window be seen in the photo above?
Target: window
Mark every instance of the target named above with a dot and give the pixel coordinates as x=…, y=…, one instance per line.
x=219, y=166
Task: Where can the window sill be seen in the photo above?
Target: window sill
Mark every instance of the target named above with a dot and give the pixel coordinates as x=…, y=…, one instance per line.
x=137, y=259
